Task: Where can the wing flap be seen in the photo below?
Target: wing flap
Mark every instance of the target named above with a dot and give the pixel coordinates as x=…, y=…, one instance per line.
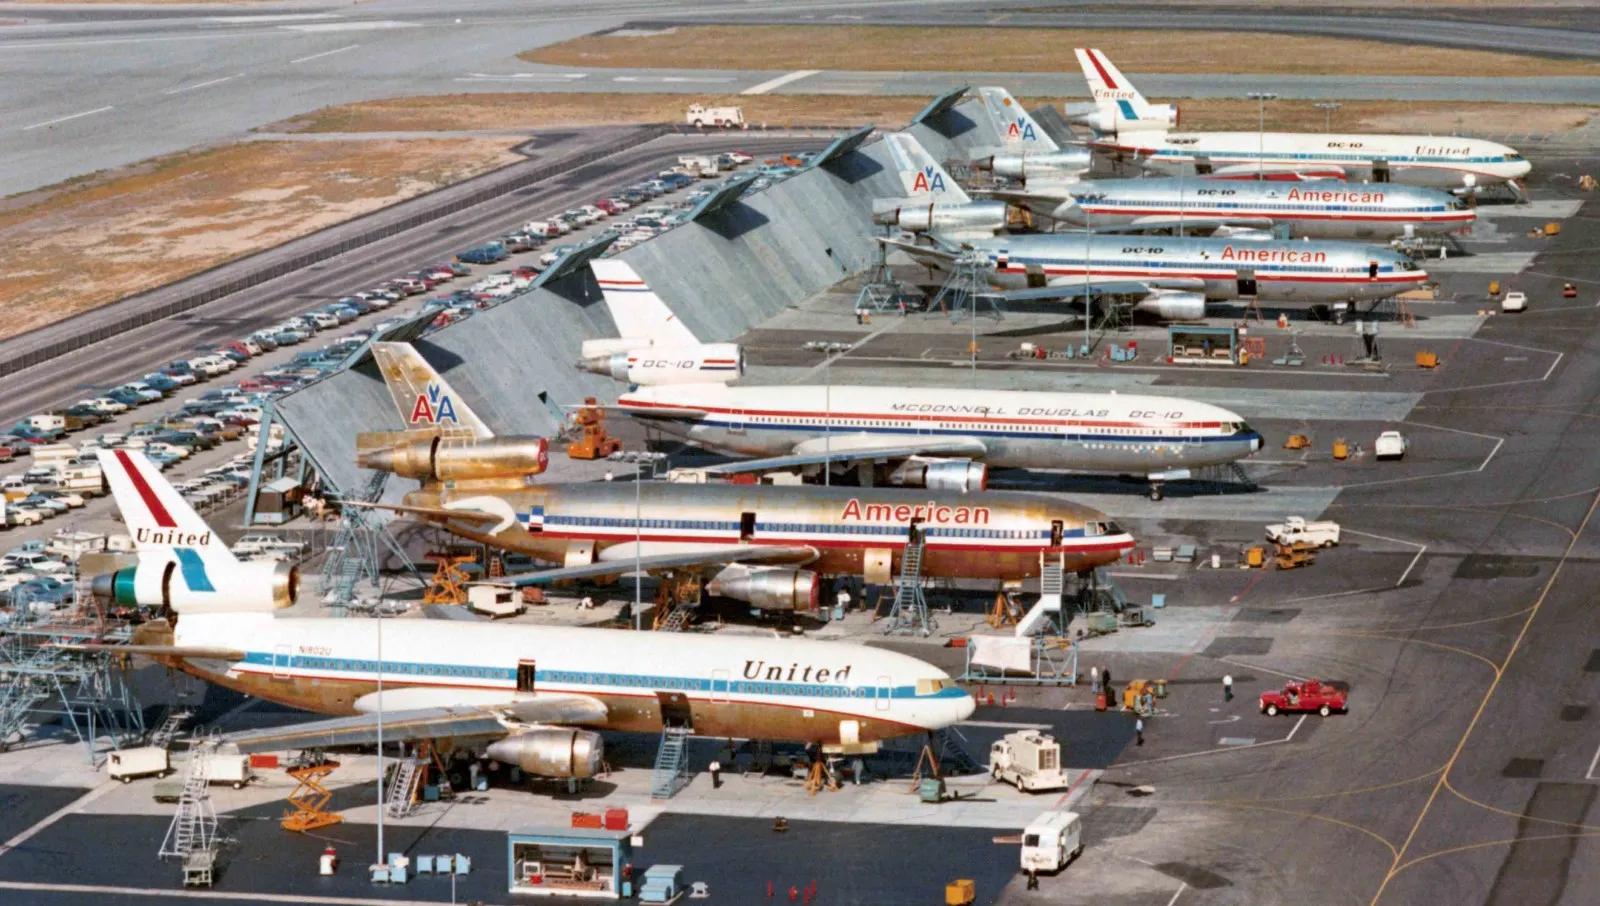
x=422, y=723
x=708, y=556
x=849, y=449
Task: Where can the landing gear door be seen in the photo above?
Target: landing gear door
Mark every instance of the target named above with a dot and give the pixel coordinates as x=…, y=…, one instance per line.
x=1247, y=282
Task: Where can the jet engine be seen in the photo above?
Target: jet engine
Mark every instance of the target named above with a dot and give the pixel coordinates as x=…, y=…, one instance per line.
x=767, y=587
x=644, y=365
x=1164, y=117
x=1174, y=305
x=1067, y=162
x=439, y=459
x=187, y=587
x=974, y=217
x=551, y=752
x=959, y=475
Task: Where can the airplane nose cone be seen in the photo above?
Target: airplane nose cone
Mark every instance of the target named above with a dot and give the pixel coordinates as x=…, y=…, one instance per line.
x=965, y=707
x=1255, y=442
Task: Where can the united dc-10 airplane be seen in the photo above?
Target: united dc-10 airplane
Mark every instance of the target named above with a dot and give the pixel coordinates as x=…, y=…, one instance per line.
x=1320, y=209
x=1138, y=135
x=531, y=696
x=942, y=438
x=766, y=545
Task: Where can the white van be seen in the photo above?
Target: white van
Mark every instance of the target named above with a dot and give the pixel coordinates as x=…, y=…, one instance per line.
x=1514, y=302
x=1051, y=841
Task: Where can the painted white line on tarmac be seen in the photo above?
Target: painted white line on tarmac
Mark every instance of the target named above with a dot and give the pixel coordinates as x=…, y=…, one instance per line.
x=1182, y=886
x=372, y=25
x=65, y=118
x=1421, y=548
x=666, y=79
x=780, y=81
x=169, y=893
x=199, y=85
x=325, y=53
x=57, y=815
x=1217, y=751
x=1589, y=774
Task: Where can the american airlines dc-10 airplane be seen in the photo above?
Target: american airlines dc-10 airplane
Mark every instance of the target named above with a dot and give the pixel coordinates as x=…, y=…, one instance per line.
x=1140, y=136
x=531, y=696
x=766, y=545
x=943, y=438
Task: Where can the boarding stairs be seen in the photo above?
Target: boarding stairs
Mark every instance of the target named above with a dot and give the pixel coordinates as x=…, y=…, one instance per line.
x=1052, y=585
x=1108, y=594
x=909, y=615
x=671, y=772
x=194, y=826
x=678, y=618
x=1224, y=477
x=401, y=798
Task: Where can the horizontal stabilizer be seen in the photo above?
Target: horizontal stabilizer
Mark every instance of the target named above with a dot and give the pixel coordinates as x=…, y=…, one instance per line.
x=428, y=512
x=193, y=653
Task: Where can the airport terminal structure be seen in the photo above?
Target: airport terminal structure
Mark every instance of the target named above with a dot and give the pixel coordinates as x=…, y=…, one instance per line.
x=753, y=470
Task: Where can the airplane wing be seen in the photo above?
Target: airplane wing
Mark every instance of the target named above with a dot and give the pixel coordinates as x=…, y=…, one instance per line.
x=1020, y=198
x=710, y=555
x=1301, y=172
x=431, y=512
x=191, y=652
x=931, y=256
x=422, y=723
x=849, y=448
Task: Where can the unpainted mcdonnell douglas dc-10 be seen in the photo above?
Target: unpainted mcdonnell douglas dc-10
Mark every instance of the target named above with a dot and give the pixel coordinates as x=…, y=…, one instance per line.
x=766, y=545
x=531, y=696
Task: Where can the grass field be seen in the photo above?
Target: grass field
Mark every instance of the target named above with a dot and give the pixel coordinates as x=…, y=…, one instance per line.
x=890, y=48
x=534, y=111
x=93, y=240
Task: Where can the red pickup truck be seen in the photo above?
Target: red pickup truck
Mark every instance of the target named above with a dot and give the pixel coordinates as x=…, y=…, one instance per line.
x=1307, y=695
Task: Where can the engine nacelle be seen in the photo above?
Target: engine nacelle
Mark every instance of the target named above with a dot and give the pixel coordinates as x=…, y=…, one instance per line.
x=1039, y=164
x=438, y=459
x=767, y=587
x=958, y=475
x=551, y=752
x=1174, y=305
x=974, y=217
x=254, y=587
x=706, y=363
x=1163, y=117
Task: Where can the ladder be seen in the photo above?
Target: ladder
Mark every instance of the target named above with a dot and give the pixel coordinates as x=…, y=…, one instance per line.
x=954, y=758
x=671, y=772
x=194, y=826
x=400, y=799
x=909, y=615
x=163, y=735
x=1052, y=585
x=16, y=701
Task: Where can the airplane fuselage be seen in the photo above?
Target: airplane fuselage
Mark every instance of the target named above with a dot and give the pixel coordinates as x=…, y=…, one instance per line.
x=723, y=686
x=997, y=535
x=1440, y=162
x=1321, y=209
x=1079, y=432
x=1277, y=270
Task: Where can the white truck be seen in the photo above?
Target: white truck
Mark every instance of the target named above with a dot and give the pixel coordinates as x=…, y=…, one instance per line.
x=695, y=165
x=1296, y=529
x=146, y=761
x=224, y=764
x=726, y=117
x=1028, y=760
x=85, y=481
x=494, y=601
x=70, y=545
x=1391, y=445
x=1051, y=841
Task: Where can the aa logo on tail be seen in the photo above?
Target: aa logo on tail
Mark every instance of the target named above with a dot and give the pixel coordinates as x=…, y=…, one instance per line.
x=434, y=408
x=1022, y=129
x=928, y=179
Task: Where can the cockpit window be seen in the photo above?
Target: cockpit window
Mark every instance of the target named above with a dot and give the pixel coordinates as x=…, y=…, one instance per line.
x=1091, y=529
x=1458, y=204
x=934, y=686
x=1405, y=264
x=1111, y=528
x=1512, y=157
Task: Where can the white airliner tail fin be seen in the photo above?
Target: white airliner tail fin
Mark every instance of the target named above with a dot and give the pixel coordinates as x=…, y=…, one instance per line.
x=1018, y=130
x=636, y=309
x=421, y=395
x=160, y=521
x=921, y=177
x=1112, y=92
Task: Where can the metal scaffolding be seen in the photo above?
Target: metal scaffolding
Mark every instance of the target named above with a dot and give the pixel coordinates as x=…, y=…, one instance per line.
x=41, y=681
x=880, y=291
x=967, y=285
x=355, y=556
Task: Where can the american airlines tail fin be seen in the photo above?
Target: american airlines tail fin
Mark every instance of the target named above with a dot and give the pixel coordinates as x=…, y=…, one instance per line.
x=921, y=177
x=1120, y=106
x=422, y=396
x=1018, y=131
x=183, y=564
x=636, y=309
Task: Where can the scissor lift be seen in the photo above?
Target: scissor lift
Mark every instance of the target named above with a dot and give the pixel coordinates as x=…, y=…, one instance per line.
x=310, y=798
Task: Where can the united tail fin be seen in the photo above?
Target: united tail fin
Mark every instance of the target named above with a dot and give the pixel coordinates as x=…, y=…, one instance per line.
x=422, y=396
x=922, y=177
x=1018, y=131
x=1116, y=98
x=636, y=309
x=160, y=521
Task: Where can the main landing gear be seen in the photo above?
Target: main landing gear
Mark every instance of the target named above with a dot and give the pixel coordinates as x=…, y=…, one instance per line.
x=1157, y=489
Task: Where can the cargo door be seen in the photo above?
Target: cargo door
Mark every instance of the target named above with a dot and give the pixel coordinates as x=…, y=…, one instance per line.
x=736, y=422
x=527, y=673
x=675, y=711
x=1246, y=280
x=1380, y=170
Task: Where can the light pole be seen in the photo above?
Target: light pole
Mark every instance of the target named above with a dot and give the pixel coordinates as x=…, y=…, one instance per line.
x=378, y=614
x=1327, y=108
x=1261, y=98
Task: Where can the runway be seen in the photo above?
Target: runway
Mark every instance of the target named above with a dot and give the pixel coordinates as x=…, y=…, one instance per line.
x=84, y=89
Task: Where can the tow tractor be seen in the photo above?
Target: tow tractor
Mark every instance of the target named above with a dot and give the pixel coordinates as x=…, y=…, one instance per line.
x=1304, y=696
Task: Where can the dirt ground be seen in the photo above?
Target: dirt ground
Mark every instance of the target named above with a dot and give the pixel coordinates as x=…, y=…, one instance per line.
x=889, y=48
x=90, y=241
x=530, y=111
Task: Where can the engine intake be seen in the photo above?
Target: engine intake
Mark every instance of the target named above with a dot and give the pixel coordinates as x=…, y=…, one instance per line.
x=551, y=752
x=958, y=475
x=767, y=587
x=190, y=587
x=707, y=363
x=438, y=459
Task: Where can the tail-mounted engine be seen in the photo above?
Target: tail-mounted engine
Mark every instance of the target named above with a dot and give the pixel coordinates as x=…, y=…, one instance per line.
x=973, y=217
x=189, y=584
x=431, y=457
x=644, y=366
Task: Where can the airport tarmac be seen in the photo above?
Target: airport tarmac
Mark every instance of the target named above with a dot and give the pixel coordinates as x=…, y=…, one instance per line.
x=1457, y=608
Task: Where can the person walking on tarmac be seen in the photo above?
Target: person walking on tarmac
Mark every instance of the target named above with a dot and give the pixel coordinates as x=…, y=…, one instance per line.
x=1138, y=731
x=1033, y=879
x=1227, y=687
x=1105, y=680
x=1094, y=680
x=716, y=774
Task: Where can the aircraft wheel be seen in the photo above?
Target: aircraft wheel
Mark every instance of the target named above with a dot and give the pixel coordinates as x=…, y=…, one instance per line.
x=1156, y=492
